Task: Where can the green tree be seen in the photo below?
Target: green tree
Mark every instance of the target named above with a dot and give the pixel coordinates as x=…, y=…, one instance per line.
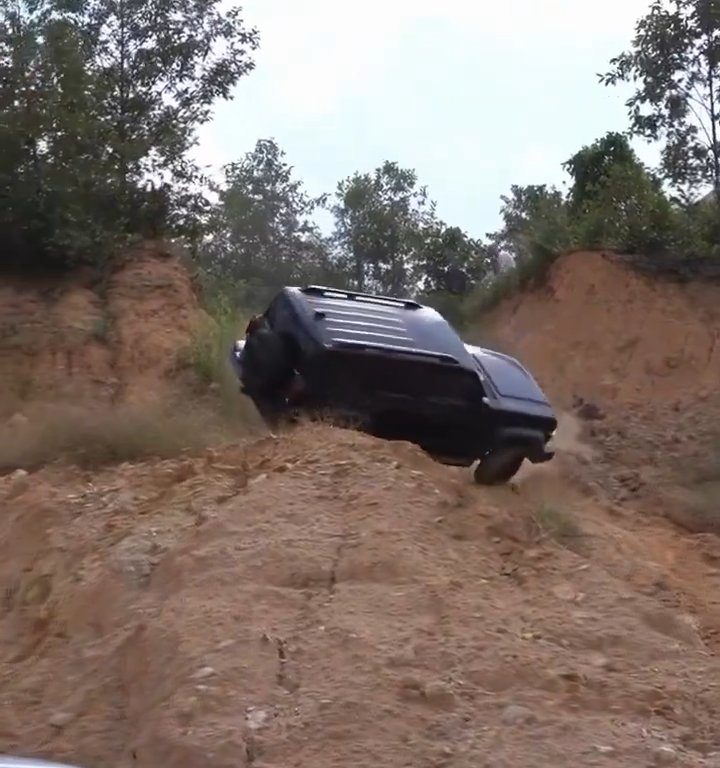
x=159, y=66
x=627, y=212
x=449, y=260
x=99, y=102
x=379, y=222
x=262, y=233
x=674, y=64
x=535, y=224
x=50, y=164
x=591, y=166
x=615, y=202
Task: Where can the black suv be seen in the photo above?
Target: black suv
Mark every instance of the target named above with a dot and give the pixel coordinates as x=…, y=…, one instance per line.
x=397, y=370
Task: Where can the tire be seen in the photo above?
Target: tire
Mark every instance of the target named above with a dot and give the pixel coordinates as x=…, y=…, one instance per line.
x=270, y=412
x=498, y=467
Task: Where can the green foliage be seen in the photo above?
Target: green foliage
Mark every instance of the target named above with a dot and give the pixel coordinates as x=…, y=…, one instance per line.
x=625, y=211
x=379, y=220
x=674, y=64
x=99, y=101
x=614, y=203
x=261, y=232
x=449, y=261
x=388, y=238
x=591, y=167
x=535, y=224
x=211, y=340
x=207, y=356
x=99, y=105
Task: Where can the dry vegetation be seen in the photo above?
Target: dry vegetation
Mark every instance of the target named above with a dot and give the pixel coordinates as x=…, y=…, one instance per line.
x=93, y=436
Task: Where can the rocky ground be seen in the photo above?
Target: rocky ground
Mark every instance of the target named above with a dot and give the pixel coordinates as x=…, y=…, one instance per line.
x=326, y=599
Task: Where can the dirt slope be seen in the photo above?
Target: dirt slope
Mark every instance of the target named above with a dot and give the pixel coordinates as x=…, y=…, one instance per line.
x=637, y=357
x=605, y=332
x=324, y=599
x=73, y=339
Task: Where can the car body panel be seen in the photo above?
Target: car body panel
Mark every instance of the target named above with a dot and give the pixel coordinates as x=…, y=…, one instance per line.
x=344, y=319
x=508, y=385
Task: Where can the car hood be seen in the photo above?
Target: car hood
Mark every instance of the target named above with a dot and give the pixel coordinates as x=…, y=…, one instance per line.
x=508, y=383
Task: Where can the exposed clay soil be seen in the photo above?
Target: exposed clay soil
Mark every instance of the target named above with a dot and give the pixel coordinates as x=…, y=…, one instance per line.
x=78, y=339
x=325, y=599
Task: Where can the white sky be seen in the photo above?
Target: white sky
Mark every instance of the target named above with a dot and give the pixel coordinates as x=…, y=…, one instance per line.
x=474, y=95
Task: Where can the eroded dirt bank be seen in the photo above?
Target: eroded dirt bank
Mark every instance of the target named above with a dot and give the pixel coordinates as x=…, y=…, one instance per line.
x=325, y=599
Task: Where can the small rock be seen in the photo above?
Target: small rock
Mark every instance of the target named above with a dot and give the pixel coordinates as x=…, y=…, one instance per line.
x=411, y=683
x=564, y=592
x=601, y=662
x=604, y=749
x=256, y=718
x=664, y=755
x=204, y=673
x=411, y=689
x=185, y=471
x=61, y=719
x=19, y=483
x=439, y=693
x=517, y=715
x=17, y=421
x=590, y=412
x=258, y=479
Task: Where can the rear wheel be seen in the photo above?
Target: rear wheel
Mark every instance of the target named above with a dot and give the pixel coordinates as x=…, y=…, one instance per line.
x=271, y=411
x=498, y=466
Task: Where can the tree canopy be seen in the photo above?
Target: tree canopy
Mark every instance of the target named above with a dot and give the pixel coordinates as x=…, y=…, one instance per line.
x=674, y=64
x=100, y=101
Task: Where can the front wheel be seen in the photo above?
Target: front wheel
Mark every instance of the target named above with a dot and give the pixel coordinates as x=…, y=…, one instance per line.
x=498, y=467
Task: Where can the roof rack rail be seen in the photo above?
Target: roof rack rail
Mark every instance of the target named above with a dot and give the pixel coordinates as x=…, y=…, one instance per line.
x=369, y=346
x=339, y=293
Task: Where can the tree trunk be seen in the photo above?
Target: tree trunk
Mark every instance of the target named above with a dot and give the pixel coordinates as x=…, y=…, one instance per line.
x=715, y=149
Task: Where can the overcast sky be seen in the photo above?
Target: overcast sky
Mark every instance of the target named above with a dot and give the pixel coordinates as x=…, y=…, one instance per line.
x=474, y=95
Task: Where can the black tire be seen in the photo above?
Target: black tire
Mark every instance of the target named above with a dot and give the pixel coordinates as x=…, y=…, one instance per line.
x=498, y=467
x=270, y=412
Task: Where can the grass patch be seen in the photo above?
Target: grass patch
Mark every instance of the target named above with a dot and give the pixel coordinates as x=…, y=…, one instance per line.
x=558, y=525
x=93, y=437
x=207, y=356
x=208, y=350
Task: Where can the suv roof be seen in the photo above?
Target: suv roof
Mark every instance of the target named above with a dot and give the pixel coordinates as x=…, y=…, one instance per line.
x=353, y=320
